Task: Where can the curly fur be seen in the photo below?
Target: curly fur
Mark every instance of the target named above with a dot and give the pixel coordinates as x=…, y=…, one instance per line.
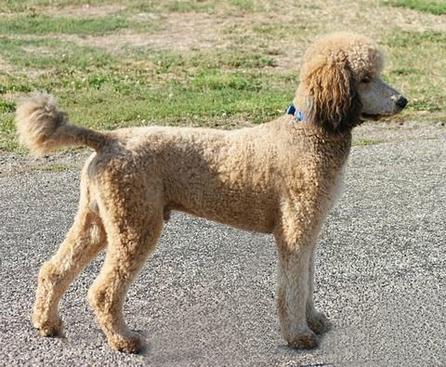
x=280, y=177
x=332, y=67
x=42, y=127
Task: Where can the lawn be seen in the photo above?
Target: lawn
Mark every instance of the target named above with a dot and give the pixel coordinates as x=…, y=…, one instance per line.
x=205, y=62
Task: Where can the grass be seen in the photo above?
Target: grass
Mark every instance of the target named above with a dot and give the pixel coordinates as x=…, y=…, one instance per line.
x=104, y=91
x=43, y=24
x=54, y=167
x=421, y=72
x=57, y=55
x=19, y=5
x=367, y=142
x=105, y=80
x=436, y=7
x=173, y=6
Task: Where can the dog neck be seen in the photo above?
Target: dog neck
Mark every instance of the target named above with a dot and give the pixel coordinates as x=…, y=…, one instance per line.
x=296, y=112
x=330, y=121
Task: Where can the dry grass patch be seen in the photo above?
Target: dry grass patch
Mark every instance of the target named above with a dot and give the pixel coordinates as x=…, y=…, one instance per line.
x=84, y=11
x=177, y=31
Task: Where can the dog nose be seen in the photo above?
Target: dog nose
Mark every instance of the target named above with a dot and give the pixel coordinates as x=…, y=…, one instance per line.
x=401, y=102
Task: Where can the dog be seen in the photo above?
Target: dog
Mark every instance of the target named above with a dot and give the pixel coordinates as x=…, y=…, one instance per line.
x=279, y=177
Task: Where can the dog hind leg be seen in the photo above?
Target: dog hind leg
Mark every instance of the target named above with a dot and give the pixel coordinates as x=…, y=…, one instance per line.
x=83, y=242
x=132, y=237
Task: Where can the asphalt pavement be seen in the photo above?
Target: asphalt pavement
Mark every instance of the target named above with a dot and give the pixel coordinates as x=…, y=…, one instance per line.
x=206, y=297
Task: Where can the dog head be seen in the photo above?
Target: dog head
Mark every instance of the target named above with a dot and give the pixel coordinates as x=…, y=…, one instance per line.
x=340, y=83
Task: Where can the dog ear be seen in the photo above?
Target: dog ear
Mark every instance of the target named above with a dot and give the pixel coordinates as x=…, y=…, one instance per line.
x=332, y=100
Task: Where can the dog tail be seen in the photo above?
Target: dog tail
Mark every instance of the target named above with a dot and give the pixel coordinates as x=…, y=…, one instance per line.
x=42, y=127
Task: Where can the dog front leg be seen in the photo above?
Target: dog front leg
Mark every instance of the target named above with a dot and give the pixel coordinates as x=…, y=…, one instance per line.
x=317, y=321
x=293, y=289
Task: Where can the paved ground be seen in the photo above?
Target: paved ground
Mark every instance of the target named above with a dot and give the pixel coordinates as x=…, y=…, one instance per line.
x=207, y=296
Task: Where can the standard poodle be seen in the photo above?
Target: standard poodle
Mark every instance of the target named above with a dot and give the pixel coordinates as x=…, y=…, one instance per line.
x=279, y=177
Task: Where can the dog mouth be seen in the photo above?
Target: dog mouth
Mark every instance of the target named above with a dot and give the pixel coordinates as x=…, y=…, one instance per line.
x=369, y=116
x=377, y=116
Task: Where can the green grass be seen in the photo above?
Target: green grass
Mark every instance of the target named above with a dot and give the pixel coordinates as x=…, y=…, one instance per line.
x=366, y=142
x=40, y=54
x=181, y=90
x=419, y=68
x=24, y=5
x=173, y=6
x=42, y=24
x=405, y=39
x=437, y=7
x=185, y=6
x=182, y=6
x=246, y=5
x=55, y=167
x=206, y=88
x=224, y=86
x=8, y=140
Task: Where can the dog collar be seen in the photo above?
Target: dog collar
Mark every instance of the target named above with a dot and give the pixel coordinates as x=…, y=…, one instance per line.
x=292, y=110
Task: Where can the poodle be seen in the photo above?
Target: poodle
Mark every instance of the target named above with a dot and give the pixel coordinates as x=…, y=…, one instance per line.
x=279, y=177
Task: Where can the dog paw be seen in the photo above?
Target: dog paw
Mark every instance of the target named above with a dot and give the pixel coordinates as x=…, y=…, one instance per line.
x=305, y=340
x=319, y=323
x=49, y=328
x=131, y=343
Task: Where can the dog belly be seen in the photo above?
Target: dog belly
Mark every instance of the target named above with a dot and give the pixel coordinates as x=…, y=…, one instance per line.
x=247, y=211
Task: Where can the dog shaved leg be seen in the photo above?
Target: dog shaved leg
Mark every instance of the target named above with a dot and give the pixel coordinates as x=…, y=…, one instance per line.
x=293, y=292
x=82, y=243
x=317, y=321
x=130, y=242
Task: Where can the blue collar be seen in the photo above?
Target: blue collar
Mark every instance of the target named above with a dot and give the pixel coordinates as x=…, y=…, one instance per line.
x=292, y=110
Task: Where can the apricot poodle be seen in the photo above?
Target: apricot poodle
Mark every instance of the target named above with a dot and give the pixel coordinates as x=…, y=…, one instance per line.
x=280, y=177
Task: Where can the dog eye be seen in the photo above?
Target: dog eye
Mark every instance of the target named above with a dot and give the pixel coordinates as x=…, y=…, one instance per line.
x=365, y=80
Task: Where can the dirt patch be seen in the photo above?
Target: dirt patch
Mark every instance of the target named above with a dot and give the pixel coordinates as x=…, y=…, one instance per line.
x=5, y=67
x=177, y=31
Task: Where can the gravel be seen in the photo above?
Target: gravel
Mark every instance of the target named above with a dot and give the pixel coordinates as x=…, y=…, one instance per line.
x=206, y=298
